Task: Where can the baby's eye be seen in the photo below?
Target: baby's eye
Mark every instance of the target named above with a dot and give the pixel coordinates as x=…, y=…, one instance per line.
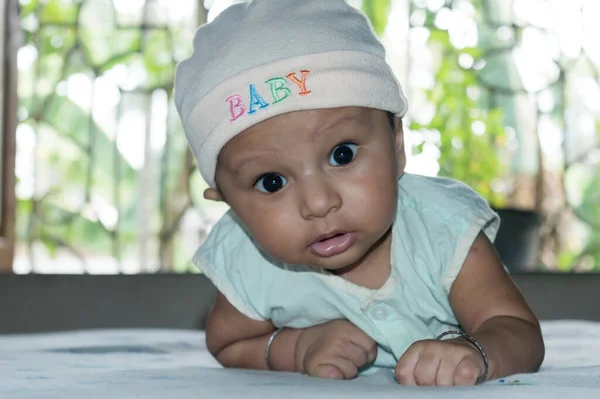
x=343, y=154
x=270, y=183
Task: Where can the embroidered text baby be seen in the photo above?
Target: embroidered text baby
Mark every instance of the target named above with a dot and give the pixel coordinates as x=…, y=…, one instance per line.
x=279, y=92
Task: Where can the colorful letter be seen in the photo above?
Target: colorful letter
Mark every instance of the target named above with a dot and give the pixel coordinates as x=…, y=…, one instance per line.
x=279, y=85
x=236, y=102
x=256, y=99
x=300, y=82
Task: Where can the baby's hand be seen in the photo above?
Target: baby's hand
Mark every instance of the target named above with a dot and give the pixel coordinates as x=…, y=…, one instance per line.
x=336, y=349
x=442, y=363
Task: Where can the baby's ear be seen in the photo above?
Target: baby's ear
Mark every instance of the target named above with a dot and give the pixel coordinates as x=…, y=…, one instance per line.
x=212, y=194
x=399, y=144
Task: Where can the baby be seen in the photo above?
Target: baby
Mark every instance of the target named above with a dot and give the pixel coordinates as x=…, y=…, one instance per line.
x=332, y=261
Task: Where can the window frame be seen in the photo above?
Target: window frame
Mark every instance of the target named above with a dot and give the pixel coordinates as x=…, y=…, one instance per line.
x=9, y=12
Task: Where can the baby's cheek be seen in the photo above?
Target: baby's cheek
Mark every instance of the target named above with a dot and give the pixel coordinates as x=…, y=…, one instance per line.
x=379, y=203
x=276, y=239
x=377, y=190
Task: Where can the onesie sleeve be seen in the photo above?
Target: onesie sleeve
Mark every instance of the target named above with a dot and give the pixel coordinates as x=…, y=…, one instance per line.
x=237, y=268
x=465, y=216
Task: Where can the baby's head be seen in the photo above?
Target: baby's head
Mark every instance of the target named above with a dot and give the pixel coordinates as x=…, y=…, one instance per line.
x=293, y=116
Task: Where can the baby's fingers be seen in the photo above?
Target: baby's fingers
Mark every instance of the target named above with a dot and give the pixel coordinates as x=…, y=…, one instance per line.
x=338, y=369
x=467, y=372
x=362, y=340
x=327, y=371
x=405, y=369
x=445, y=374
x=357, y=355
x=427, y=369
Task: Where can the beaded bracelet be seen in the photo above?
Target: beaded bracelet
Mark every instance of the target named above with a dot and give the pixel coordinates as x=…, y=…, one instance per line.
x=268, y=348
x=466, y=336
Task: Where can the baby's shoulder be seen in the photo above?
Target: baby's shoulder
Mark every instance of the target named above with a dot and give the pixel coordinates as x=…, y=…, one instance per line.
x=226, y=232
x=441, y=196
x=437, y=221
x=227, y=243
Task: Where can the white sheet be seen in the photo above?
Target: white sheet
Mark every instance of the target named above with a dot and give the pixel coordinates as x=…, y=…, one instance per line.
x=175, y=364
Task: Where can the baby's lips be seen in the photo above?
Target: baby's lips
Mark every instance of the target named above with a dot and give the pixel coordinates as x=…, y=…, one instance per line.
x=335, y=245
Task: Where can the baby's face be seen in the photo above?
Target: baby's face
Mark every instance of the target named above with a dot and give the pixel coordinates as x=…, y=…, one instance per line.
x=315, y=187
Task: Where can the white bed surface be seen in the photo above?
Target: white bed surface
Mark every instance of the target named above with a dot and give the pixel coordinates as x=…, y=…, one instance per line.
x=175, y=364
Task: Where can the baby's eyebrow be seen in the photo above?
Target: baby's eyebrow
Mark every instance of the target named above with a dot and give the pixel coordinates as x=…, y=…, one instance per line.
x=345, y=120
x=252, y=157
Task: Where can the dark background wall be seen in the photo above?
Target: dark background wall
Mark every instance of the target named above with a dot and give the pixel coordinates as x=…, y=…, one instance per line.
x=35, y=303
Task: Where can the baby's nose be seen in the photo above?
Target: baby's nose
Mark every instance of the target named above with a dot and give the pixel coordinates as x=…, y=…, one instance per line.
x=319, y=197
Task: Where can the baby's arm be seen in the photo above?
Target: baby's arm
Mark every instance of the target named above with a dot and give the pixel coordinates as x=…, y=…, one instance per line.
x=238, y=341
x=336, y=349
x=489, y=307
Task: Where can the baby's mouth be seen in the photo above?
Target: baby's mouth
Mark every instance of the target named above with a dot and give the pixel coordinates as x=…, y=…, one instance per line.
x=333, y=243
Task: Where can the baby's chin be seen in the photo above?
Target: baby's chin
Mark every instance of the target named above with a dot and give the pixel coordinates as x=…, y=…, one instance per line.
x=340, y=266
x=337, y=272
x=337, y=268
x=337, y=264
x=340, y=270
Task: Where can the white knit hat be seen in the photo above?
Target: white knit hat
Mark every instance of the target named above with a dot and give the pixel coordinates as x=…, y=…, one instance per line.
x=264, y=58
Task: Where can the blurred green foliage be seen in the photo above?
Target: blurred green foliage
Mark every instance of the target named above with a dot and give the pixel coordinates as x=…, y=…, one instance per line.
x=85, y=160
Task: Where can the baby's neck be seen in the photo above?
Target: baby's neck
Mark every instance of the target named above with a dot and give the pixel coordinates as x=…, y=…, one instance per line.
x=373, y=270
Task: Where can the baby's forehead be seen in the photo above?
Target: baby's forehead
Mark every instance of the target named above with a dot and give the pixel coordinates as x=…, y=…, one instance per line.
x=314, y=129
x=303, y=125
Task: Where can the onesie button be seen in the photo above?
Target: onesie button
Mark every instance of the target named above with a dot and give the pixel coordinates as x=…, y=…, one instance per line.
x=379, y=313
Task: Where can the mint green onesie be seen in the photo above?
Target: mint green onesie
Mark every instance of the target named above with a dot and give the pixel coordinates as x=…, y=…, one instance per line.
x=436, y=223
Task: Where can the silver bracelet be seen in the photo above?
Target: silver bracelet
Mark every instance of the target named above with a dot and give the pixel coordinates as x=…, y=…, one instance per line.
x=268, y=348
x=472, y=340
